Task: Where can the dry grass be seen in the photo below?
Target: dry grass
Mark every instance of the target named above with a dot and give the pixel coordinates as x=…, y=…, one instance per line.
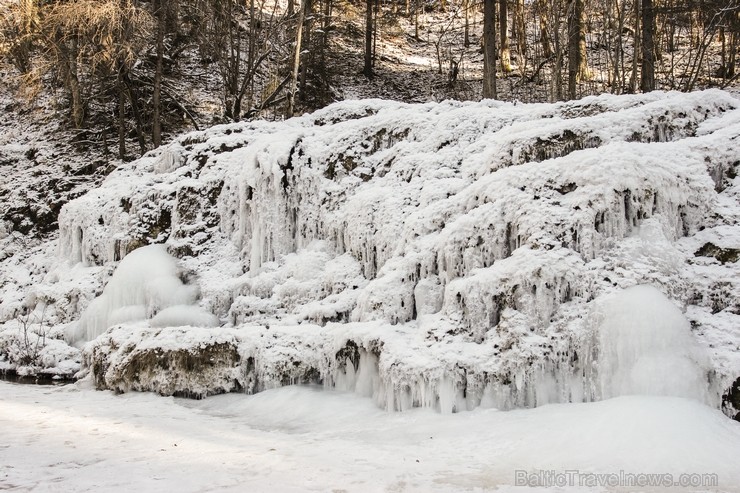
x=113, y=34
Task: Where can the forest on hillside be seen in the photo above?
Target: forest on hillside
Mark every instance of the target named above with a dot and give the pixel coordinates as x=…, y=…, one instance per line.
x=126, y=72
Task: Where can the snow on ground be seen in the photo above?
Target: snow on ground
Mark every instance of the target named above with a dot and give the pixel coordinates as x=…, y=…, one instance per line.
x=306, y=439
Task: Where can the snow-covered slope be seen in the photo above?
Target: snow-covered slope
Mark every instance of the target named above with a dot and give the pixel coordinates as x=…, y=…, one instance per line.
x=445, y=255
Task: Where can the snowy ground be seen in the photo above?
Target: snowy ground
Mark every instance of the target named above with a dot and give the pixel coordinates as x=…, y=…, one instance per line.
x=307, y=439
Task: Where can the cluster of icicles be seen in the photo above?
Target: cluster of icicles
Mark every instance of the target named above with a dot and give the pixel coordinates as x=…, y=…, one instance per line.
x=641, y=344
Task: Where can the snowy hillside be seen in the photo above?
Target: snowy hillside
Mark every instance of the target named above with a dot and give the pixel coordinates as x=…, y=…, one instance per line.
x=449, y=255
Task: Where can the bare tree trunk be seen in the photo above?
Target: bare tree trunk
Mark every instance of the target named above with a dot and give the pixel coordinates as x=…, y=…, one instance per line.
x=489, y=49
x=323, y=48
x=251, y=62
x=121, y=119
x=574, y=46
x=723, y=53
x=584, y=73
x=504, y=35
x=296, y=61
x=375, y=31
x=368, y=68
x=234, y=62
x=416, y=20
x=78, y=108
x=636, y=50
x=134, y=100
x=671, y=41
x=157, y=92
x=647, y=80
x=730, y=73
x=622, y=13
x=617, y=84
x=608, y=37
x=307, y=41
x=466, y=34
x=68, y=65
x=521, y=33
x=558, y=52
x=544, y=29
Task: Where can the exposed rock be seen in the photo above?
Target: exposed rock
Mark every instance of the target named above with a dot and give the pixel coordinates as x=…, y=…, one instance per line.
x=731, y=400
x=192, y=371
x=724, y=255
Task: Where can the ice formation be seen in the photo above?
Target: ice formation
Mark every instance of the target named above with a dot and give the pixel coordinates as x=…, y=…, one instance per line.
x=645, y=347
x=145, y=285
x=446, y=255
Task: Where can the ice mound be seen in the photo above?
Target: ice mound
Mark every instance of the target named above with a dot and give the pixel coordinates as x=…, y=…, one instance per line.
x=145, y=285
x=646, y=347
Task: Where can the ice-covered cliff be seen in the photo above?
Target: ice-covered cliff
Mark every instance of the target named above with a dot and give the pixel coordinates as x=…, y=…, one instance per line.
x=446, y=255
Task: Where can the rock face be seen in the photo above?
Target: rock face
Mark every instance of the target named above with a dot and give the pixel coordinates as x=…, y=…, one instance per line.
x=731, y=400
x=446, y=255
x=173, y=368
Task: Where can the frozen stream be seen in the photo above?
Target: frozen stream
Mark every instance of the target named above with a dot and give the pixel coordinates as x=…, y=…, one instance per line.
x=307, y=439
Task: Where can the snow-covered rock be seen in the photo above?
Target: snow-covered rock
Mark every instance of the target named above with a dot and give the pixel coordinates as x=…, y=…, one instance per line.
x=444, y=255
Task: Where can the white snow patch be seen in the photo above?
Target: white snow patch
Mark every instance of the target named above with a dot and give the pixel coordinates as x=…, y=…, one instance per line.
x=182, y=315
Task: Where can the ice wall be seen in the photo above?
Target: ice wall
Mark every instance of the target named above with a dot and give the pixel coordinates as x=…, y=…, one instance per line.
x=478, y=234
x=635, y=341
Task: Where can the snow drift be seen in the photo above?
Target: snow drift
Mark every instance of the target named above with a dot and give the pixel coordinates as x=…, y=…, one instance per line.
x=441, y=255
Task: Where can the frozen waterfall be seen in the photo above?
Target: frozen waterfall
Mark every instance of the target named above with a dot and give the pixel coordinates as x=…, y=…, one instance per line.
x=146, y=285
x=645, y=346
x=448, y=256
